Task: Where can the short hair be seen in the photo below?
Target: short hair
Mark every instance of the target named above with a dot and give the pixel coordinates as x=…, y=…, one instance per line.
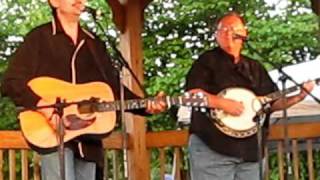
x=229, y=14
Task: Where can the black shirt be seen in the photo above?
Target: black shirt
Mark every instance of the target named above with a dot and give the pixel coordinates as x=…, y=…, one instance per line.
x=48, y=51
x=213, y=72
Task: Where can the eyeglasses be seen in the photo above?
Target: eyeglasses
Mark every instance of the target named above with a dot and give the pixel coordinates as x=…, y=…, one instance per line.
x=235, y=32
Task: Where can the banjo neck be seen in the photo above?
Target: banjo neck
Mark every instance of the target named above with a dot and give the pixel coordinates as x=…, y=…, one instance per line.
x=276, y=95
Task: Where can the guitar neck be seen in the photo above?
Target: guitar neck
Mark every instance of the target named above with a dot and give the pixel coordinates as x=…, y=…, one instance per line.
x=128, y=105
x=133, y=104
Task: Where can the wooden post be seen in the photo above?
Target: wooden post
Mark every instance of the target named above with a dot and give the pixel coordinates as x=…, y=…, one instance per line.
x=130, y=22
x=131, y=46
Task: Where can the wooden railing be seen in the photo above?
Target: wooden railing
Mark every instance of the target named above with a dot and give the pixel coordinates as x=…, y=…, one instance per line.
x=14, y=147
x=302, y=132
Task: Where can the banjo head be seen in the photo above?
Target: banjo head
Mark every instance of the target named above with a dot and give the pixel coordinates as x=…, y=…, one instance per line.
x=251, y=104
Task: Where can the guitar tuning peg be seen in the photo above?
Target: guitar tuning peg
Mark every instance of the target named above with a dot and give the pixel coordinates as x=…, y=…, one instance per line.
x=203, y=110
x=186, y=94
x=200, y=94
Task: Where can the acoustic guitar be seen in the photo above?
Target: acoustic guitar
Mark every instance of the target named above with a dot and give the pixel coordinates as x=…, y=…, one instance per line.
x=94, y=115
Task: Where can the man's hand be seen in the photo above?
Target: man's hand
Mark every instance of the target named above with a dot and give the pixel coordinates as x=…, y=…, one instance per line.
x=48, y=113
x=229, y=106
x=232, y=107
x=307, y=88
x=157, y=106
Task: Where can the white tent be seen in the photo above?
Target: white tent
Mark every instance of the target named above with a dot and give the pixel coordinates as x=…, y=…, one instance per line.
x=309, y=70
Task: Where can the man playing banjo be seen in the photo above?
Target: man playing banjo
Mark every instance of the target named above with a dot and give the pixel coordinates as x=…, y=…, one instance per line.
x=215, y=154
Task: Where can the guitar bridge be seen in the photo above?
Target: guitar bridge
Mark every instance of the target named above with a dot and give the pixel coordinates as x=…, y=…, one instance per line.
x=73, y=122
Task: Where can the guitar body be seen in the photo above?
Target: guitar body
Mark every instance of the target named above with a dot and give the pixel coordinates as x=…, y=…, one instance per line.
x=36, y=128
x=238, y=126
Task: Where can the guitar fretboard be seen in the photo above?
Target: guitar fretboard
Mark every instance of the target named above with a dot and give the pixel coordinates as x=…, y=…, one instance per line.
x=89, y=106
x=138, y=103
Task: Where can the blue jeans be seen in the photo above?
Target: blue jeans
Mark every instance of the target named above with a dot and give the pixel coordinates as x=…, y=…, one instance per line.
x=207, y=164
x=75, y=169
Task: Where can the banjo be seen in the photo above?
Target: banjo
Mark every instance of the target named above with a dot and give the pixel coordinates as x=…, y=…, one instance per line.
x=244, y=125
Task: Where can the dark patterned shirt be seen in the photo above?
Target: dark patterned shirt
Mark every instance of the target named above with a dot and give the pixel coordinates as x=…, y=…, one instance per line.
x=214, y=71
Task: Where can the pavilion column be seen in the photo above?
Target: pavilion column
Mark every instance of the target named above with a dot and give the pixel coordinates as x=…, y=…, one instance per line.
x=128, y=18
x=315, y=6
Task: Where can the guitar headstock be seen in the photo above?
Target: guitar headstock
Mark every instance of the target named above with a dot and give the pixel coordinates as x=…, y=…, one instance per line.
x=193, y=100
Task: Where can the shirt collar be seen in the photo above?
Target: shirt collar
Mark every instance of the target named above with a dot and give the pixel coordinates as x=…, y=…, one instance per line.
x=229, y=56
x=57, y=29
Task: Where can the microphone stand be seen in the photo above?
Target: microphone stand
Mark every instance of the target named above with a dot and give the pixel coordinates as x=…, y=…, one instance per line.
x=124, y=63
x=288, y=174
x=285, y=119
x=260, y=115
x=260, y=149
x=58, y=106
x=119, y=67
x=282, y=72
x=283, y=79
x=121, y=62
x=298, y=85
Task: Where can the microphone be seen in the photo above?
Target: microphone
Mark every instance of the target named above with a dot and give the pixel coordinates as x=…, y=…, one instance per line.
x=239, y=36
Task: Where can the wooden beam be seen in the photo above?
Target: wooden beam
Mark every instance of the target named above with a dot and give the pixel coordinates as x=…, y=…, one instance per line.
x=12, y=140
x=160, y=140
x=145, y=3
x=315, y=6
x=131, y=47
x=113, y=141
x=15, y=140
x=118, y=14
x=295, y=131
x=179, y=138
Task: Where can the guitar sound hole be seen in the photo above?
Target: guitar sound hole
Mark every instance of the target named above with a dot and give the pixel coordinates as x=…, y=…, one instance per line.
x=73, y=122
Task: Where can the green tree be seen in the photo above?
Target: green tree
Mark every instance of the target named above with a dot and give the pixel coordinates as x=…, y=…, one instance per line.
x=16, y=19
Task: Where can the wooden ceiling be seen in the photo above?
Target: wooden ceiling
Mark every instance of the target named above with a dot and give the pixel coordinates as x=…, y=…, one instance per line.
x=119, y=11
